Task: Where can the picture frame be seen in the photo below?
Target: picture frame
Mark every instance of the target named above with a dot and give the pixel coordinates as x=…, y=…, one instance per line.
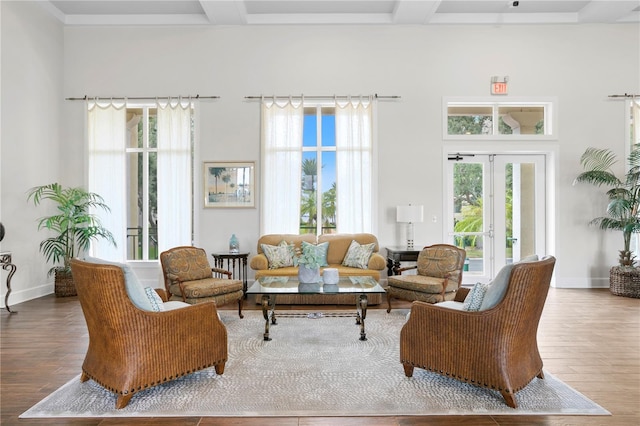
x=229, y=184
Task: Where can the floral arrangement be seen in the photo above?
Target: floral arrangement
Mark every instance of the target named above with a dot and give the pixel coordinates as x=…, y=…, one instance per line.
x=308, y=256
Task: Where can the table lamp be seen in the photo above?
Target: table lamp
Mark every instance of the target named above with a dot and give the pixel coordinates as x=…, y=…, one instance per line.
x=410, y=215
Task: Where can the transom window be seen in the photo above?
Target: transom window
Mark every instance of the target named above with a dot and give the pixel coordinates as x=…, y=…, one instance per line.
x=498, y=120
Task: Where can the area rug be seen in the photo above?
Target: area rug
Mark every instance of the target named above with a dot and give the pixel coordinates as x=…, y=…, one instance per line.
x=314, y=365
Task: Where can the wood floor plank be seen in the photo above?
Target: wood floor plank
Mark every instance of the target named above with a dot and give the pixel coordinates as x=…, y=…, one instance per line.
x=590, y=339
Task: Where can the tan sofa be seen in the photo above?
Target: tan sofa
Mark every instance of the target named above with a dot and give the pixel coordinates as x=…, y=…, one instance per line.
x=338, y=246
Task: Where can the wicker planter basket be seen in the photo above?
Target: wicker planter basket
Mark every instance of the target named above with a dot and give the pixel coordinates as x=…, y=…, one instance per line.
x=625, y=281
x=64, y=285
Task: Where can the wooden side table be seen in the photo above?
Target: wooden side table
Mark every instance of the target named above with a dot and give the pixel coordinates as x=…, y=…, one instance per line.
x=395, y=255
x=236, y=264
x=5, y=261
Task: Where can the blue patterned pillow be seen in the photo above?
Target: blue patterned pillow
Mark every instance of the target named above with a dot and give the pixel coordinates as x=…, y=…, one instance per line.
x=358, y=255
x=157, y=305
x=279, y=256
x=321, y=250
x=473, y=301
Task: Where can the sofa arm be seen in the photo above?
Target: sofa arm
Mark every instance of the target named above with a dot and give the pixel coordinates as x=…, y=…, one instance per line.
x=259, y=262
x=377, y=262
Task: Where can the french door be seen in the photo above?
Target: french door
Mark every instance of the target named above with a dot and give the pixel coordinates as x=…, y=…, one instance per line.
x=495, y=210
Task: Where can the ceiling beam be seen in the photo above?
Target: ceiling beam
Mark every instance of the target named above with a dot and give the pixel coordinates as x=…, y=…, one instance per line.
x=414, y=12
x=228, y=12
x=607, y=11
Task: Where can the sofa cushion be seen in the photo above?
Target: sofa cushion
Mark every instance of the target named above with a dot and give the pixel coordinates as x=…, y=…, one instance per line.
x=134, y=288
x=339, y=245
x=474, y=299
x=321, y=250
x=358, y=255
x=279, y=256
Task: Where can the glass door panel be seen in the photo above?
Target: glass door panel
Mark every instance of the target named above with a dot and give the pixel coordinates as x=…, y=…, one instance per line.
x=496, y=210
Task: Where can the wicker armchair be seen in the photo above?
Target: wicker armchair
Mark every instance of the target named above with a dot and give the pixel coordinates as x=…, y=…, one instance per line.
x=496, y=348
x=188, y=277
x=439, y=275
x=131, y=349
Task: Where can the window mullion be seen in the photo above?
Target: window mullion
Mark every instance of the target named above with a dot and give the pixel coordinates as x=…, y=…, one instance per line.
x=145, y=184
x=319, y=220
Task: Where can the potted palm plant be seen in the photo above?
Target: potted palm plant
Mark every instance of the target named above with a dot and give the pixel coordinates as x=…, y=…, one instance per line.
x=73, y=227
x=622, y=211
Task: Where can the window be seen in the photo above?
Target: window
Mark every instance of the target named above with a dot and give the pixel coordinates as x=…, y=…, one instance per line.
x=318, y=188
x=141, y=162
x=498, y=120
x=317, y=169
x=142, y=183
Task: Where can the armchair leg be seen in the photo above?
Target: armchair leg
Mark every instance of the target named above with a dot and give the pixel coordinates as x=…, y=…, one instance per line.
x=509, y=398
x=240, y=308
x=388, y=303
x=123, y=400
x=84, y=377
x=219, y=369
x=408, y=370
x=540, y=375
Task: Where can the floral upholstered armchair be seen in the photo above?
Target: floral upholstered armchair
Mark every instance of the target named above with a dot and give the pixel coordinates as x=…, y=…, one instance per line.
x=439, y=275
x=189, y=277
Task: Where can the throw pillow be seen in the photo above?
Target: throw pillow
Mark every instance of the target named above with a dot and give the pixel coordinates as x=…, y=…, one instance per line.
x=321, y=251
x=279, y=256
x=133, y=286
x=474, y=299
x=358, y=255
x=157, y=304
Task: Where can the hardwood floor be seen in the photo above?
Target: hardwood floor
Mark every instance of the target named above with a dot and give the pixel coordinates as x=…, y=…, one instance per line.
x=590, y=339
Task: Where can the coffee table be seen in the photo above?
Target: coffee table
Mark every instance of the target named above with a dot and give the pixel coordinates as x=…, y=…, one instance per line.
x=271, y=287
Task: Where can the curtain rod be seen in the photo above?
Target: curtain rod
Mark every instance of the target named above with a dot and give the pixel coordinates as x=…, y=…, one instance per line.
x=141, y=98
x=320, y=97
x=626, y=95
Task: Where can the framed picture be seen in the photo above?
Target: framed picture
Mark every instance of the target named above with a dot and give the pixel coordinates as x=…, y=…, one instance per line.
x=229, y=184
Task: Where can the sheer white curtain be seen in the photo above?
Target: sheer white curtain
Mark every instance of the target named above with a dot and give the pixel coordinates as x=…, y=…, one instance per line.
x=106, y=125
x=281, y=166
x=355, y=204
x=174, y=174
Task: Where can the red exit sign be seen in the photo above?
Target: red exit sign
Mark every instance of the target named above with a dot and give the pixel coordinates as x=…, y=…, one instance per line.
x=499, y=88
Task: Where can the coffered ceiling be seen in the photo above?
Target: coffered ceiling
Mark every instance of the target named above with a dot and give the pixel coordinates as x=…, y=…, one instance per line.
x=303, y=12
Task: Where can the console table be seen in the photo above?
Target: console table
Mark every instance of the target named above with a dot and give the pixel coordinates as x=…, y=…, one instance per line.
x=395, y=255
x=236, y=264
x=5, y=261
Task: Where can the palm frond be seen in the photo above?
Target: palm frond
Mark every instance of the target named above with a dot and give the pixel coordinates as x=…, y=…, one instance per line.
x=598, y=159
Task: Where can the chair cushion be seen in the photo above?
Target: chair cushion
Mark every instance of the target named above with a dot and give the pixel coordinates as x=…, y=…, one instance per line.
x=187, y=264
x=134, y=288
x=358, y=255
x=321, y=250
x=437, y=262
x=474, y=299
x=206, y=288
x=450, y=304
x=421, y=283
x=175, y=304
x=279, y=256
x=498, y=286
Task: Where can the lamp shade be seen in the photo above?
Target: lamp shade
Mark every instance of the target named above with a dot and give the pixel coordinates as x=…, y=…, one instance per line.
x=409, y=214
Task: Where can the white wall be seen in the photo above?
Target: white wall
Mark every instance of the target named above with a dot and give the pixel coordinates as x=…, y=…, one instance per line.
x=32, y=120
x=578, y=64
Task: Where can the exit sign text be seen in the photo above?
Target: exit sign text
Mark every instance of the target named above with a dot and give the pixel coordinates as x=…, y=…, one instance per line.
x=499, y=88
